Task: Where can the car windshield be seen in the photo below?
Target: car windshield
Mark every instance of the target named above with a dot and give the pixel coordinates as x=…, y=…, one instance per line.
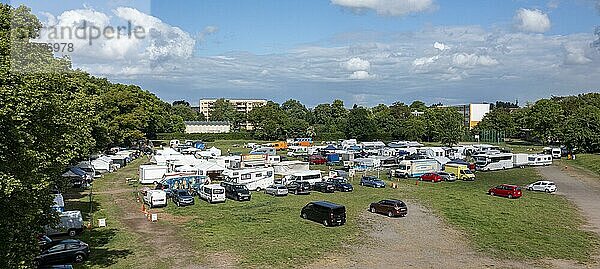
x=372, y=178
x=183, y=193
x=281, y=187
x=218, y=191
x=466, y=171
x=240, y=187
x=400, y=204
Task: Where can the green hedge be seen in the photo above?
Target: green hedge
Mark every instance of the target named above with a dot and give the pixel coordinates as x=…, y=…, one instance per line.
x=205, y=137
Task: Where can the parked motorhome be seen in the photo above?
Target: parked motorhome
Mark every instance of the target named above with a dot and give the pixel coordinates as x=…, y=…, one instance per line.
x=174, y=143
x=539, y=159
x=496, y=161
x=71, y=223
x=152, y=173
x=297, y=151
x=312, y=176
x=155, y=198
x=255, y=178
x=264, y=151
x=212, y=193
x=520, y=160
x=416, y=168
x=461, y=171
x=556, y=153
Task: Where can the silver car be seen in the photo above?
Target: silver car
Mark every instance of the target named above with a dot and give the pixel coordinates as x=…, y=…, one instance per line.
x=447, y=176
x=277, y=190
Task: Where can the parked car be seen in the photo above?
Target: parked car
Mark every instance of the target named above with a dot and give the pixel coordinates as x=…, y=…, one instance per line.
x=392, y=208
x=433, y=177
x=341, y=184
x=327, y=213
x=447, y=176
x=324, y=186
x=510, y=191
x=276, y=190
x=63, y=251
x=236, y=192
x=182, y=198
x=317, y=159
x=371, y=181
x=212, y=193
x=542, y=185
x=298, y=187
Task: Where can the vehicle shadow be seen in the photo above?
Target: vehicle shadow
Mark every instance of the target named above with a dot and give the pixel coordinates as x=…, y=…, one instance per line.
x=100, y=255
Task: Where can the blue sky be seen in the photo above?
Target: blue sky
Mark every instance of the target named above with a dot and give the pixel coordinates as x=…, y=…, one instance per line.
x=360, y=51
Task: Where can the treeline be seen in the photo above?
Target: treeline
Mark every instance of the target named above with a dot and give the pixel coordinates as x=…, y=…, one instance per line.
x=50, y=117
x=572, y=121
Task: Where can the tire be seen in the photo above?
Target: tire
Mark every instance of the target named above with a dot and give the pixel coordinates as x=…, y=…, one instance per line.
x=325, y=223
x=547, y=190
x=390, y=214
x=296, y=192
x=258, y=189
x=372, y=209
x=72, y=232
x=492, y=193
x=510, y=196
x=304, y=216
x=79, y=258
x=530, y=189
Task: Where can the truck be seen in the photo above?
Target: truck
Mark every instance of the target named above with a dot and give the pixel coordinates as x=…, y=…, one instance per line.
x=155, y=198
x=416, y=168
x=152, y=173
x=71, y=223
x=520, y=160
x=461, y=171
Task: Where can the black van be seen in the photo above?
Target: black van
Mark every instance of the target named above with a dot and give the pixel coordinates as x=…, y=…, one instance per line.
x=328, y=213
x=236, y=192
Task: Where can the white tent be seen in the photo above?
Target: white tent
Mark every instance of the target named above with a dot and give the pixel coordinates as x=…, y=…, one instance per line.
x=289, y=167
x=211, y=152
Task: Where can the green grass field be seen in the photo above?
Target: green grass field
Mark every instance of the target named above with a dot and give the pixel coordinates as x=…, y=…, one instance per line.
x=268, y=232
x=589, y=162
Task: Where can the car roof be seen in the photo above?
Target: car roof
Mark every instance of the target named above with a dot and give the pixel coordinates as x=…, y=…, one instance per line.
x=327, y=204
x=508, y=185
x=393, y=200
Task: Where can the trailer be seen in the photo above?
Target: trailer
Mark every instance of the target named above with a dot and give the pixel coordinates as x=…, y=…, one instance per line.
x=416, y=168
x=71, y=223
x=520, y=160
x=152, y=173
x=255, y=178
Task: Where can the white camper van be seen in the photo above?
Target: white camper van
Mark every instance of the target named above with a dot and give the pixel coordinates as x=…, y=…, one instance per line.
x=255, y=178
x=155, y=198
x=152, y=173
x=212, y=193
x=540, y=159
x=312, y=176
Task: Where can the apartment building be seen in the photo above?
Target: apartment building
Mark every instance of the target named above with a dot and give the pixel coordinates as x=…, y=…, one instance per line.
x=241, y=105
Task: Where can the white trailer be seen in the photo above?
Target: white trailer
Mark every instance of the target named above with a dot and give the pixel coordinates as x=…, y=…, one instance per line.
x=71, y=223
x=539, y=159
x=520, y=160
x=416, y=168
x=152, y=173
x=255, y=178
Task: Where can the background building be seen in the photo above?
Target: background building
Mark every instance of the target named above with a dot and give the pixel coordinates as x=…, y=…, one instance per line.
x=241, y=105
x=205, y=127
x=473, y=113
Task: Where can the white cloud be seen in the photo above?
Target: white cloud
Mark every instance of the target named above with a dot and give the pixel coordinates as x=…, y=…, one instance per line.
x=466, y=60
x=357, y=64
x=440, y=46
x=575, y=55
x=387, y=7
x=361, y=75
x=208, y=30
x=532, y=20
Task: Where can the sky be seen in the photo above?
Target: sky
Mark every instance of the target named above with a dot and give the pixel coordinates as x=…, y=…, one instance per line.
x=363, y=52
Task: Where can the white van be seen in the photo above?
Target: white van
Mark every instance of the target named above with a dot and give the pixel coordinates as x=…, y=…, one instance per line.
x=312, y=176
x=155, y=198
x=212, y=193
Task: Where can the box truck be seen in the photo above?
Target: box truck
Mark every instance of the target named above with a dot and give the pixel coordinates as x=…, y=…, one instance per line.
x=461, y=171
x=416, y=168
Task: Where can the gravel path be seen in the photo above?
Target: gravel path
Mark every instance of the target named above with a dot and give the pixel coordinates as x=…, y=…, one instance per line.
x=420, y=240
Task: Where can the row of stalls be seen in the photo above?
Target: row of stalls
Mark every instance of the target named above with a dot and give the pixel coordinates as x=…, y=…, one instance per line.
x=83, y=173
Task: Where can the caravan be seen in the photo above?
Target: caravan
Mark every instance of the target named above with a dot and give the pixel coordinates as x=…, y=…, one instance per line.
x=539, y=159
x=152, y=173
x=255, y=178
x=71, y=223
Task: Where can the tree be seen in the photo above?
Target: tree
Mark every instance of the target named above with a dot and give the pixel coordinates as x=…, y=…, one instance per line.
x=295, y=109
x=581, y=129
x=181, y=102
x=444, y=125
x=418, y=106
x=187, y=113
x=359, y=124
x=412, y=129
x=223, y=110
x=499, y=119
x=544, y=119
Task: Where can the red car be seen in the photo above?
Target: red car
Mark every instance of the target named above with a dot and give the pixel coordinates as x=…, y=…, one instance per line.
x=433, y=177
x=317, y=159
x=510, y=191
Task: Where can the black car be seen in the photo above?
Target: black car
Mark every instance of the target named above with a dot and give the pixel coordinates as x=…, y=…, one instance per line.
x=341, y=184
x=182, y=197
x=327, y=213
x=236, y=192
x=392, y=208
x=63, y=251
x=324, y=186
x=299, y=187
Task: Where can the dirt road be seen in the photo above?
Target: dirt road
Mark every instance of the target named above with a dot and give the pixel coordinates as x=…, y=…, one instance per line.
x=420, y=240
x=581, y=187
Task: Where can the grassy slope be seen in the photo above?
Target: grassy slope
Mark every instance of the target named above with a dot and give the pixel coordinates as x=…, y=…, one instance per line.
x=589, y=162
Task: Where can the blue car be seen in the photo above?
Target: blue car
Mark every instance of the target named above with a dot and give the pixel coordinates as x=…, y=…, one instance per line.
x=371, y=181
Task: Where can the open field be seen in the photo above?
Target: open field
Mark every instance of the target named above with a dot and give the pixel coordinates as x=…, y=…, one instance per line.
x=268, y=231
